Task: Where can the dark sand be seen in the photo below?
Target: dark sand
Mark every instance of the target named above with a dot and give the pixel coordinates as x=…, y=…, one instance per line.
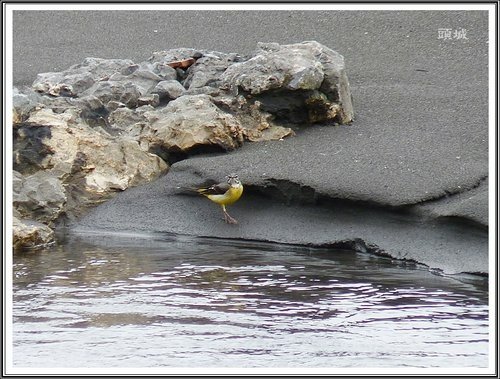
x=420, y=134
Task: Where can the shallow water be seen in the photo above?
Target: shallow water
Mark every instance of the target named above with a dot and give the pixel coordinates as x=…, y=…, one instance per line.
x=167, y=301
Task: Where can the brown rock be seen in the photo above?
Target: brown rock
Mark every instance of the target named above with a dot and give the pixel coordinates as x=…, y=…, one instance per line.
x=29, y=234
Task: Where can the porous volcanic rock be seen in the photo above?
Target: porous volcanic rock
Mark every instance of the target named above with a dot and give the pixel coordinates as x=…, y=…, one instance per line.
x=192, y=121
x=104, y=125
x=303, y=82
x=29, y=234
x=63, y=165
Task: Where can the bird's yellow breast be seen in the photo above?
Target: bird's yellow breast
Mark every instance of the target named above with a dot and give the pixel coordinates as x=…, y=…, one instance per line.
x=229, y=197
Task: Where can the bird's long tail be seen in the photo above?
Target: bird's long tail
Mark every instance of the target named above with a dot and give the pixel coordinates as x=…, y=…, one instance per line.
x=191, y=191
x=188, y=191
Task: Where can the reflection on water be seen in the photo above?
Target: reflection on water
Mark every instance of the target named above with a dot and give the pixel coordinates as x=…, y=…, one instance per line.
x=183, y=302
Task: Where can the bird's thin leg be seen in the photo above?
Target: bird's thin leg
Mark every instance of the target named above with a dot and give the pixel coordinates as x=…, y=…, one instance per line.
x=228, y=218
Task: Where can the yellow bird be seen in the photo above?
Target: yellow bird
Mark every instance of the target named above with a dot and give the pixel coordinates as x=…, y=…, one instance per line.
x=224, y=194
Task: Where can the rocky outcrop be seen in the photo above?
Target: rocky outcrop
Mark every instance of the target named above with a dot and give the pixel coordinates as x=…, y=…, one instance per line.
x=105, y=125
x=63, y=166
x=80, y=77
x=278, y=88
x=29, y=234
x=192, y=121
x=304, y=82
x=109, y=163
x=39, y=196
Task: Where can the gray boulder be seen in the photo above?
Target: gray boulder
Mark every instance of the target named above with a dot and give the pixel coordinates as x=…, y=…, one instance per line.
x=292, y=67
x=164, y=71
x=278, y=87
x=39, y=196
x=143, y=80
x=131, y=122
x=23, y=104
x=168, y=90
x=208, y=69
x=79, y=77
x=125, y=92
x=304, y=82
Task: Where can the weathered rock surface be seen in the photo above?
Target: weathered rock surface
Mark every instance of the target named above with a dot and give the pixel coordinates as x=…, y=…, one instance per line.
x=79, y=77
x=168, y=90
x=39, y=196
x=281, y=86
x=310, y=71
x=288, y=212
x=29, y=234
x=63, y=166
x=208, y=70
x=192, y=121
x=22, y=105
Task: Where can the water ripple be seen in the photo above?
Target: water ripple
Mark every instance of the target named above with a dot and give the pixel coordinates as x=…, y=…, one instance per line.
x=188, y=305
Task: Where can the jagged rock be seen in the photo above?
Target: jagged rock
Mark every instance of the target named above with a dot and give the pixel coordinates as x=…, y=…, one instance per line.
x=304, y=82
x=122, y=91
x=130, y=121
x=290, y=67
x=39, y=196
x=168, y=90
x=257, y=124
x=29, y=149
x=77, y=166
x=281, y=84
x=298, y=83
x=205, y=90
x=193, y=121
x=93, y=110
x=208, y=70
x=79, y=77
x=111, y=163
x=152, y=100
x=22, y=105
x=179, y=60
x=143, y=80
x=164, y=71
x=29, y=234
x=131, y=90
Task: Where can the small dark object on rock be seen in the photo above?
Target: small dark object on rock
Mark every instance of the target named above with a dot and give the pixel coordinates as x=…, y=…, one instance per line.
x=184, y=64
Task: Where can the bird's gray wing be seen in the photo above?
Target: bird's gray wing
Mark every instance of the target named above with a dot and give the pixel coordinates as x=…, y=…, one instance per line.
x=216, y=189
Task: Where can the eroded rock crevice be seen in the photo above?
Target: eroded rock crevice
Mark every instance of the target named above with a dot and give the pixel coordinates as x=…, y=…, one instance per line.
x=284, y=191
x=289, y=192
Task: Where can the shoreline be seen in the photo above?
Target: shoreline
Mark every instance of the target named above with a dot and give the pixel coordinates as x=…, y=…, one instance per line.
x=155, y=208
